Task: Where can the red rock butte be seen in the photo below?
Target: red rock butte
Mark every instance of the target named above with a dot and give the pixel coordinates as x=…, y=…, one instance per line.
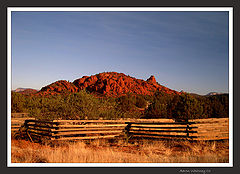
x=109, y=84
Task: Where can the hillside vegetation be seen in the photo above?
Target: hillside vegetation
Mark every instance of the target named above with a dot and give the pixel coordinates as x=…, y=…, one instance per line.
x=84, y=105
x=112, y=95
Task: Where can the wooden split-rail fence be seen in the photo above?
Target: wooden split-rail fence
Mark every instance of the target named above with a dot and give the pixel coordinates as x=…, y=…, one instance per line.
x=198, y=129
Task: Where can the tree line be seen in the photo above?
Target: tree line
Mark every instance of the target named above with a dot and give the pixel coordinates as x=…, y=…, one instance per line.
x=83, y=105
x=187, y=106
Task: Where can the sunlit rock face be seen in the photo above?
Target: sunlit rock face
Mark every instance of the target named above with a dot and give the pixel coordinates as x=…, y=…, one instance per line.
x=109, y=84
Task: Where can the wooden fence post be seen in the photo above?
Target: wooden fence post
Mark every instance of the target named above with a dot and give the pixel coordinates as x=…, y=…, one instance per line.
x=127, y=133
x=56, y=127
x=26, y=126
x=187, y=129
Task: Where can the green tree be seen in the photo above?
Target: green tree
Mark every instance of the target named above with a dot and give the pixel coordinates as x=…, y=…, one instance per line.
x=157, y=110
x=17, y=102
x=188, y=107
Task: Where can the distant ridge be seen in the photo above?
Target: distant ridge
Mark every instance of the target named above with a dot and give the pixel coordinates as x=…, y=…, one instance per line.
x=25, y=90
x=214, y=93
x=108, y=84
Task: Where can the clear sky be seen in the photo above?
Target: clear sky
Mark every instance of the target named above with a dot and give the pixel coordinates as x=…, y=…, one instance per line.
x=183, y=50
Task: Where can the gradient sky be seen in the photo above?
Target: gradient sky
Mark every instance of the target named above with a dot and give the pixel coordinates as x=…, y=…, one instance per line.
x=183, y=50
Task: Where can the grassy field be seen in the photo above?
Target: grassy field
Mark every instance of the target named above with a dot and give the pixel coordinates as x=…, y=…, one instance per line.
x=103, y=151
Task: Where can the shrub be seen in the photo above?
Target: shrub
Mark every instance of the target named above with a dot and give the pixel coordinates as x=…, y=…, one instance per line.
x=141, y=102
x=126, y=103
x=157, y=110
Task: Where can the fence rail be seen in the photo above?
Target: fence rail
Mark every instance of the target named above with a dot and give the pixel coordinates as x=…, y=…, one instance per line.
x=161, y=130
x=212, y=128
x=197, y=129
x=74, y=130
x=16, y=123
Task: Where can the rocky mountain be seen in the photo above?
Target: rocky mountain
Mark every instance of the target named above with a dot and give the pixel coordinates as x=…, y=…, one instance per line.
x=109, y=84
x=59, y=87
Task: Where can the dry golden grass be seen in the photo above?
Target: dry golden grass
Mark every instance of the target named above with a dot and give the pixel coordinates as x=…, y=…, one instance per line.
x=101, y=151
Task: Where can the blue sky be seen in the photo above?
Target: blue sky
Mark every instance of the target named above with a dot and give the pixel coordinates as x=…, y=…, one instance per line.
x=183, y=50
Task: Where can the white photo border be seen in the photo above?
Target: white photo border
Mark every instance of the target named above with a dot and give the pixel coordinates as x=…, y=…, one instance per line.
x=114, y=9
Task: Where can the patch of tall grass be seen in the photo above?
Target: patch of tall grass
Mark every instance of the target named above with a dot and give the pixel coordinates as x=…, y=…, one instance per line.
x=101, y=151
